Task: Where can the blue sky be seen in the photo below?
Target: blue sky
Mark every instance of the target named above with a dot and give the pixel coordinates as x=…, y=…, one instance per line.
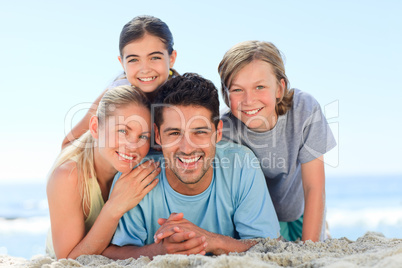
x=56, y=57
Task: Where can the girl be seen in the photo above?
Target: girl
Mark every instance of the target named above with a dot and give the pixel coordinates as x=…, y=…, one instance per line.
x=83, y=216
x=286, y=130
x=146, y=55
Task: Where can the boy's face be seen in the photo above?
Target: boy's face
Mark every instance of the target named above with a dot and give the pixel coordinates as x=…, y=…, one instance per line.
x=253, y=95
x=188, y=138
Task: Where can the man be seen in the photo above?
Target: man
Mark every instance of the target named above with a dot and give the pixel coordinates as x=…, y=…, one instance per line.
x=219, y=188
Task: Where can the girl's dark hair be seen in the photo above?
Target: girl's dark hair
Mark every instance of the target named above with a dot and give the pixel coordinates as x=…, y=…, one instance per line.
x=189, y=89
x=140, y=25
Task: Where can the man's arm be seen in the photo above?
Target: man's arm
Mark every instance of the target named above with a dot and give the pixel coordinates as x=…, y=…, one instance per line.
x=179, y=243
x=216, y=244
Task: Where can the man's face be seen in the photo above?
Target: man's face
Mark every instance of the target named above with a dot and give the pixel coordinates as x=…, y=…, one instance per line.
x=188, y=138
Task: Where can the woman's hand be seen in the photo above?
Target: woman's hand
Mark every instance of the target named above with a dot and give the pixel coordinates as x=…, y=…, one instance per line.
x=131, y=187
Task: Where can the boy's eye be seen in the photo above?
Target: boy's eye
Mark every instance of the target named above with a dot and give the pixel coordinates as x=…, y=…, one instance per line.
x=155, y=58
x=260, y=87
x=235, y=90
x=133, y=60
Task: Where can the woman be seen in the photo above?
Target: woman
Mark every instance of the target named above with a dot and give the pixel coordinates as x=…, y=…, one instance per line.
x=83, y=215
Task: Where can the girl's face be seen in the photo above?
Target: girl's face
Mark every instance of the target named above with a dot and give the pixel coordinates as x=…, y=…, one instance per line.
x=123, y=140
x=253, y=95
x=146, y=62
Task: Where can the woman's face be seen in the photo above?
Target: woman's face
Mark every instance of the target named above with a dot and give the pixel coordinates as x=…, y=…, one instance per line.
x=147, y=62
x=124, y=138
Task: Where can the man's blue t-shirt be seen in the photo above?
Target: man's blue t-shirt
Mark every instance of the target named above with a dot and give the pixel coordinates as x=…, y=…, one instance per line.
x=236, y=203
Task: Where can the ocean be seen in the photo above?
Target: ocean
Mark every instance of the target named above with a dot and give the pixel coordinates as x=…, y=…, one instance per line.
x=355, y=205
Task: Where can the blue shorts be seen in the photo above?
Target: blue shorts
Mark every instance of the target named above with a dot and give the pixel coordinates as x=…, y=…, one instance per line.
x=292, y=231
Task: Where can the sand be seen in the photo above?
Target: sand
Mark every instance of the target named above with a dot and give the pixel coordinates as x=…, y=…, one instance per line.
x=370, y=250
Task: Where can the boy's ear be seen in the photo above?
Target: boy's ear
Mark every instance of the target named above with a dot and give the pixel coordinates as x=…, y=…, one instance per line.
x=93, y=127
x=157, y=135
x=281, y=89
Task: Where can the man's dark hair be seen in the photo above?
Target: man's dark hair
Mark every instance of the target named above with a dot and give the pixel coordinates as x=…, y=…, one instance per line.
x=189, y=89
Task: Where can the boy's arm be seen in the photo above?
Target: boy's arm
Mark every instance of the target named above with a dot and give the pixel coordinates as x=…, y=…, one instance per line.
x=313, y=177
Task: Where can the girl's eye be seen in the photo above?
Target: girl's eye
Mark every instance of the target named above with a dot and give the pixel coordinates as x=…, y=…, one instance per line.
x=123, y=131
x=260, y=87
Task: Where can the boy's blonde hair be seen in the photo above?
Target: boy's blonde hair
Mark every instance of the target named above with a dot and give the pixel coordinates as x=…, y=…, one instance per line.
x=244, y=53
x=81, y=150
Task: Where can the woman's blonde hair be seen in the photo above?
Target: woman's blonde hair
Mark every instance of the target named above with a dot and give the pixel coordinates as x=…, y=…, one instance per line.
x=81, y=150
x=244, y=53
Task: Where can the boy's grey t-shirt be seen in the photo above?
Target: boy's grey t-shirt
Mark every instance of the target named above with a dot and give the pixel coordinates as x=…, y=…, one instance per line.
x=299, y=136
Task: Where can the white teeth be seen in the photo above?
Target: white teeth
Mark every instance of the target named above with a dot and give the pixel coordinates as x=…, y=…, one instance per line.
x=252, y=112
x=147, y=79
x=125, y=156
x=191, y=160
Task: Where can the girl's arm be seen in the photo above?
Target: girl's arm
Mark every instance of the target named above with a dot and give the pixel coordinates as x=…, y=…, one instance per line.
x=66, y=212
x=313, y=176
x=82, y=125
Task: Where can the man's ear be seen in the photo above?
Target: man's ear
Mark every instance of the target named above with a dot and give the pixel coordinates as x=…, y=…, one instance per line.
x=157, y=135
x=94, y=127
x=219, y=129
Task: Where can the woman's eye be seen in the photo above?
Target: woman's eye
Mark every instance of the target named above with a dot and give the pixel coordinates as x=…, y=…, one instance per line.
x=123, y=131
x=144, y=137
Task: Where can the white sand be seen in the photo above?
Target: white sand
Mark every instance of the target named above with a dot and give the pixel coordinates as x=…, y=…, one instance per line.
x=371, y=250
